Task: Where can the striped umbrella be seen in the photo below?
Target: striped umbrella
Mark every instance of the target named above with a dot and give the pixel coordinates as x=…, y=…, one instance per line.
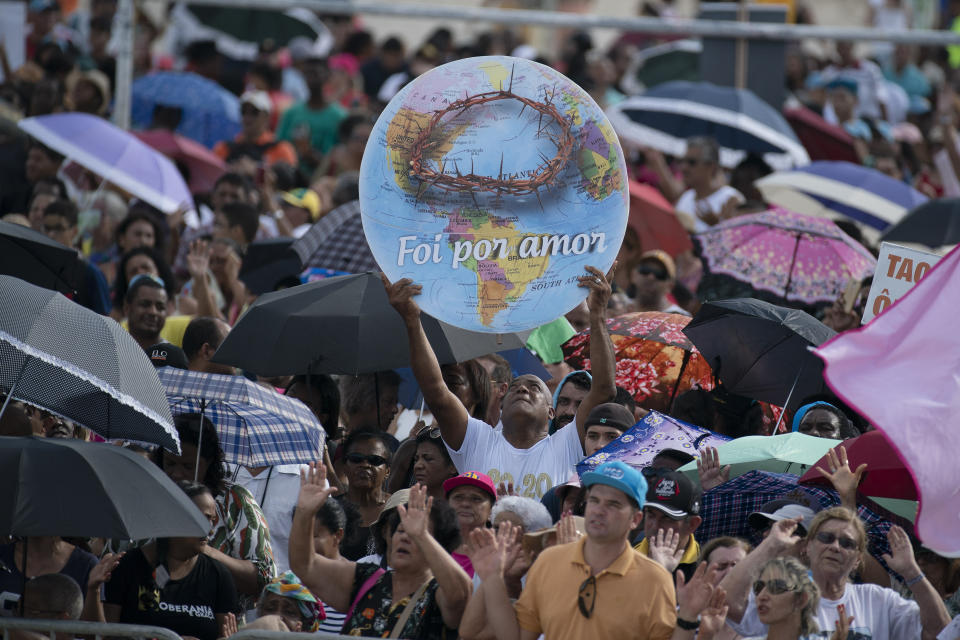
x=842, y=190
x=257, y=427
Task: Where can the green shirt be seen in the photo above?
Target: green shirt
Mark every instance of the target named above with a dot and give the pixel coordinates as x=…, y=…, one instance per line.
x=322, y=124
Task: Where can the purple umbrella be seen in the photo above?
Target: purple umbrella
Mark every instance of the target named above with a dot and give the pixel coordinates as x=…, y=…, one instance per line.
x=115, y=155
x=640, y=443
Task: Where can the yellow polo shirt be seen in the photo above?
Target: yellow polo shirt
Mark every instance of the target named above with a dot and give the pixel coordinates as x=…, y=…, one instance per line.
x=635, y=597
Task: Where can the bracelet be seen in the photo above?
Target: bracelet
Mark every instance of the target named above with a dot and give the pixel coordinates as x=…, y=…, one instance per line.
x=687, y=625
x=915, y=580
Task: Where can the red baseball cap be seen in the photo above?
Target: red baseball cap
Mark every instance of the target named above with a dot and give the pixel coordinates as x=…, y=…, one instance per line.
x=474, y=478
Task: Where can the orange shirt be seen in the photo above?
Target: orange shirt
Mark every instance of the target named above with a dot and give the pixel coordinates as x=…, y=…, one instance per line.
x=272, y=153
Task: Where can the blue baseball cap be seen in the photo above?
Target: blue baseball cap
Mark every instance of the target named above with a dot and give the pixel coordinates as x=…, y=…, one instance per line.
x=618, y=475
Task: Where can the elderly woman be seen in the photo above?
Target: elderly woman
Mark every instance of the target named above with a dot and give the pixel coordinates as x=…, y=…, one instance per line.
x=833, y=548
x=526, y=513
x=285, y=596
x=472, y=496
x=424, y=592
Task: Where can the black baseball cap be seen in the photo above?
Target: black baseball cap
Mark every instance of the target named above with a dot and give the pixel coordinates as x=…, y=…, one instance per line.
x=673, y=493
x=164, y=354
x=610, y=414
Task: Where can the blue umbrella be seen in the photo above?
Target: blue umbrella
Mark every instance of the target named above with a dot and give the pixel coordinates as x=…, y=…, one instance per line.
x=639, y=444
x=210, y=112
x=666, y=115
x=842, y=190
x=256, y=426
x=115, y=155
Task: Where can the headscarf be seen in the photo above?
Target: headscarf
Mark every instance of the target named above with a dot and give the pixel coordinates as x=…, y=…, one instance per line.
x=288, y=585
x=802, y=411
x=556, y=392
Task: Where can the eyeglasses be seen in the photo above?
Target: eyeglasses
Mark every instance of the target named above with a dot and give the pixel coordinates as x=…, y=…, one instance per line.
x=427, y=434
x=646, y=270
x=358, y=458
x=587, y=593
x=846, y=542
x=149, y=276
x=774, y=587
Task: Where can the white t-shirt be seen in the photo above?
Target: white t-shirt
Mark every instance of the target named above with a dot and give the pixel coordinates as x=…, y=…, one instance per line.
x=532, y=471
x=878, y=614
x=713, y=203
x=275, y=490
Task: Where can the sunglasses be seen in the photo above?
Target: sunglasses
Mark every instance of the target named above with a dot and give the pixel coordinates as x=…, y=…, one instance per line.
x=646, y=270
x=427, y=434
x=846, y=542
x=587, y=593
x=358, y=458
x=774, y=587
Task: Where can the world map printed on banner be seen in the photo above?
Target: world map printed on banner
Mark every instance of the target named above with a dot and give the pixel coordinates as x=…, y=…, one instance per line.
x=493, y=182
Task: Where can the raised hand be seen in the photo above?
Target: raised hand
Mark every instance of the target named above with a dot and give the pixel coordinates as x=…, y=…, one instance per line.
x=844, y=481
x=314, y=488
x=506, y=489
x=400, y=294
x=708, y=467
x=102, y=571
x=901, y=558
x=712, y=618
x=486, y=554
x=415, y=516
x=694, y=596
x=843, y=624
x=567, y=529
x=782, y=535
x=599, y=285
x=665, y=549
x=198, y=259
x=229, y=626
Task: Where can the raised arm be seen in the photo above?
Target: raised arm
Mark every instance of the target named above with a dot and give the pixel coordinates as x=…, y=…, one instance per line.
x=933, y=614
x=329, y=580
x=603, y=363
x=450, y=414
x=736, y=584
x=490, y=612
x=453, y=583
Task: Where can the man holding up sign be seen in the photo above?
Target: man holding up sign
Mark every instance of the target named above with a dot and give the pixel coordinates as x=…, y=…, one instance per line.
x=523, y=453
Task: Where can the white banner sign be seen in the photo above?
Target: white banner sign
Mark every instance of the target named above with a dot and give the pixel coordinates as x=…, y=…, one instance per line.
x=898, y=269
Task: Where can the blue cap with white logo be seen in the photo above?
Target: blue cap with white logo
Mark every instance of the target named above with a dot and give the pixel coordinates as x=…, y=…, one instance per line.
x=618, y=475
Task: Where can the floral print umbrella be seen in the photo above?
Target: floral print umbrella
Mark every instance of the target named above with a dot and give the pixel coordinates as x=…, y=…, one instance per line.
x=655, y=361
x=794, y=259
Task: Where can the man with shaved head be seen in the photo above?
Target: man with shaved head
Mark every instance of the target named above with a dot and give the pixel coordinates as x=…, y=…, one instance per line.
x=522, y=454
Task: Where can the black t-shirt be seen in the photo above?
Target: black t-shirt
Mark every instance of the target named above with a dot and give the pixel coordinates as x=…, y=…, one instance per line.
x=187, y=606
x=78, y=567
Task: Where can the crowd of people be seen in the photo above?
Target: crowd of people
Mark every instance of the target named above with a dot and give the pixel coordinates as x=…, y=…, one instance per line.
x=465, y=517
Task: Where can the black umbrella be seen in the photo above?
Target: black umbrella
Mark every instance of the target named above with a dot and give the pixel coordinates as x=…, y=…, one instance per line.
x=32, y=256
x=934, y=224
x=337, y=242
x=66, y=359
x=268, y=263
x=55, y=487
x=341, y=325
x=760, y=350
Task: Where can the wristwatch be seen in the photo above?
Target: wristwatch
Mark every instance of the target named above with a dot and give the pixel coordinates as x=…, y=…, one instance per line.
x=688, y=625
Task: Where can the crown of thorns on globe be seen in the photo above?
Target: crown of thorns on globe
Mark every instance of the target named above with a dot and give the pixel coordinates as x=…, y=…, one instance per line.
x=543, y=176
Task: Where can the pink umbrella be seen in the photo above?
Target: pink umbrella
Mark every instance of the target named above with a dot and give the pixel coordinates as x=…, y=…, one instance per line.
x=792, y=258
x=203, y=165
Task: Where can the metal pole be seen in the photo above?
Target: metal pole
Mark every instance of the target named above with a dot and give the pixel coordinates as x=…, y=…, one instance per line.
x=679, y=27
x=124, y=71
x=740, y=70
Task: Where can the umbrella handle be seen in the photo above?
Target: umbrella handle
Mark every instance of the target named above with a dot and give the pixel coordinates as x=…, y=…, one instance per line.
x=196, y=464
x=13, y=390
x=789, y=395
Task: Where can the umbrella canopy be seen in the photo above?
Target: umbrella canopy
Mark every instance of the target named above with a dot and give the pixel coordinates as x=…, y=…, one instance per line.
x=203, y=165
x=886, y=477
x=822, y=140
x=343, y=324
x=791, y=257
x=760, y=350
x=96, y=490
x=35, y=258
x=337, y=242
x=257, y=427
x=638, y=445
x=113, y=154
x=66, y=359
x=842, y=190
x=655, y=361
x=267, y=263
x=725, y=508
x=935, y=223
x=655, y=222
x=210, y=112
x=666, y=115
x=787, y=453
x=677, y=60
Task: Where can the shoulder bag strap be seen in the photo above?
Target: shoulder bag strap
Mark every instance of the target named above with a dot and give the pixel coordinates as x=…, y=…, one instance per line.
x=364, y=588
x=408, y=610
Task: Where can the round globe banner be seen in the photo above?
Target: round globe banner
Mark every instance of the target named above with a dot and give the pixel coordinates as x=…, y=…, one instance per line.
x=493, y=182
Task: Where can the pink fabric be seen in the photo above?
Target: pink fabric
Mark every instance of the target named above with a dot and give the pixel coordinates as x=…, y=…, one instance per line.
x=902, y=371
x=464, y=561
